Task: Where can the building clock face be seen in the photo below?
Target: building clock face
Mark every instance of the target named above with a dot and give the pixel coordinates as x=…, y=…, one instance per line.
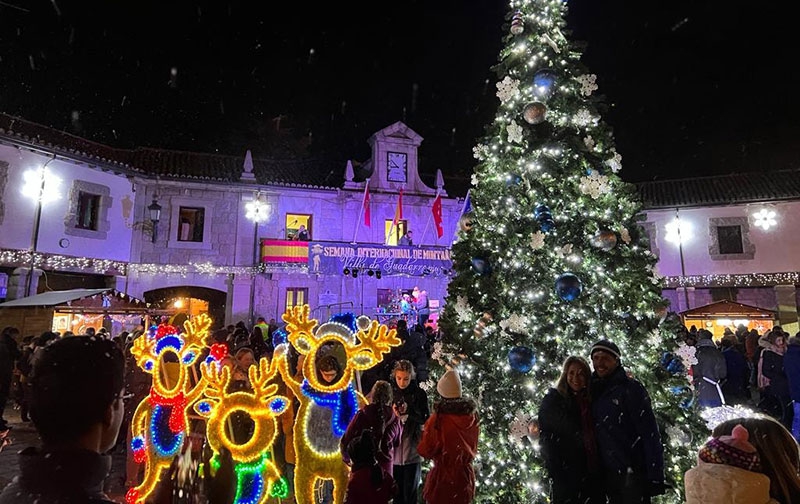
x=397, y=167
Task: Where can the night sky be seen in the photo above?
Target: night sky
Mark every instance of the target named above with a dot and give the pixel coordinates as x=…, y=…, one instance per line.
x=695, y=87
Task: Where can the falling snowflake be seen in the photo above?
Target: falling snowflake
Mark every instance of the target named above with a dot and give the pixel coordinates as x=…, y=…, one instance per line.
x=514, y=132
x=615, y=163
x=537, y=240
x=507, y=89
x=463, y=311
x=480, y=152
x=595, y=185
x=625, y=235
x=515, y=323
x=589, y=142
x=583, y=118
x=587, y=82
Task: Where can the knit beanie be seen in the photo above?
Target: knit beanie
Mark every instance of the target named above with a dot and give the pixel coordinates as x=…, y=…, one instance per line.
x=449, y=385
x=734, y=450
x=605, y=346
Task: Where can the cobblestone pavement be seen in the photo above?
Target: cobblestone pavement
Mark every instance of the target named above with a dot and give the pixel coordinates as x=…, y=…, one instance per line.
x=23, y=434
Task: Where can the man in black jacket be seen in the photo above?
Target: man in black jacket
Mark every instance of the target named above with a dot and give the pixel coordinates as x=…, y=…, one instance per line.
x=9, y=353
x=627, y=434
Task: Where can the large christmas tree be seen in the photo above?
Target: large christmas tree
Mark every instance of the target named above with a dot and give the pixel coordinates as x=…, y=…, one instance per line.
x=550, y=260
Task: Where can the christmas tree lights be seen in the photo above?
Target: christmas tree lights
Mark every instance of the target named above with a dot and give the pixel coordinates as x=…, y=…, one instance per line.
x=553, y=260
x=159, y=425
x=326, y=407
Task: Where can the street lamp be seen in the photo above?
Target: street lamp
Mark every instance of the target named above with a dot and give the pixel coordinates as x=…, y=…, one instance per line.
x=678, y=232
x=155, y=215
x=43, y=187
x=256, y=210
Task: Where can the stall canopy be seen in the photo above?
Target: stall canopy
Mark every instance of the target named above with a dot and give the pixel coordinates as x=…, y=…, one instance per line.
x=53, y=298
x=721, y=314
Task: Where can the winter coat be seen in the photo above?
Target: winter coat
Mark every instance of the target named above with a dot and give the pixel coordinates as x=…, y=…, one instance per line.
x=450, y=439
x=417, y=412
x=386, y=429
x=625, y=426
x=751, y=345
x=771, y=368
x=563, y=449
x=791, y=366
x=59, y=477
x=735, y=386
x=710, y=366
x=724, y=484
x=9, y=353
x=361, y=489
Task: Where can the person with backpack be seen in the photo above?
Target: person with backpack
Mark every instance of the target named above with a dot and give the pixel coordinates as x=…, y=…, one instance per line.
x=368, y=481
x=378, y=417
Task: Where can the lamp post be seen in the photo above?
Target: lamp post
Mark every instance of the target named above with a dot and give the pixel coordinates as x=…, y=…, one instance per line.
x=256, y=210
x=42, y=187
x=677, y=232
x=155, y=215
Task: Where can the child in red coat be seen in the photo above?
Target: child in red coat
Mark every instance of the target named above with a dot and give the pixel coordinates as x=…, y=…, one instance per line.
x=368, y=482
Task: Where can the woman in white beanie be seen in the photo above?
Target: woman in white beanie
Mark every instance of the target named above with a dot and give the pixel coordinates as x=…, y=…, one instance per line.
x=450, y=439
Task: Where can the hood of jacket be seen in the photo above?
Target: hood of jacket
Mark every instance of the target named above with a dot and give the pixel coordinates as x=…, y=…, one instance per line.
x=462, y=411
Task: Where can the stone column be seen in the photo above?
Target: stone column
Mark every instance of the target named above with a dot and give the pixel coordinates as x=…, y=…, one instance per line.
x=18, y=283
x=685, y=298
x=237, y=302
x=786, y=299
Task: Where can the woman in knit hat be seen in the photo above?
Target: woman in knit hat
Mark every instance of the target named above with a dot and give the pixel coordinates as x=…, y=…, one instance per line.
x=450, y=439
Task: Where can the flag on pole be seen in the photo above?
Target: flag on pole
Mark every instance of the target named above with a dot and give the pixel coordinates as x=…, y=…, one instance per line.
x=467, y=205
x=437, y=215
x=367, y=219
x=398, y=212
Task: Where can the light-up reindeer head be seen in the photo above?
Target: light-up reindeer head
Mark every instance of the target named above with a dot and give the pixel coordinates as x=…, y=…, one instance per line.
x=261, y=405
x=363, y=348
x=152, y=351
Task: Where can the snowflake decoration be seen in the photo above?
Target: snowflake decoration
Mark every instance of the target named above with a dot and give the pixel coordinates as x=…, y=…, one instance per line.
x=537, y=240
x=595, y=185
x=687, y=355
x=564, y=251
x=625, y=235
x=680, y=435
x=463, y=311
x=480, y=152
x=426, y=385
x=514, y=132
x=589, y=142
x=587, y=83
x=518, y=428
x=615, y=163
x=474, y=179
x=436, y=353
x=507, y=89
x=515, y=323
x=715, y=416
x=583, y=118
x=654, y=339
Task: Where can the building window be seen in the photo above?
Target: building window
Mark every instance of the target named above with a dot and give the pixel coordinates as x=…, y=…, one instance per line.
x=298, y=226
x=296, y=296
x=88, y=210
x=394, y=232
x=729, y=239
x=191, y=222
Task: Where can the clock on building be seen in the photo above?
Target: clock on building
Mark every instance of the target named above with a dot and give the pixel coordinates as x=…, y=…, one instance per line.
x=397, y=167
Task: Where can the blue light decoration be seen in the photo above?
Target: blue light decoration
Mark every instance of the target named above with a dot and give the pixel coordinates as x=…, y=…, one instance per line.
x=165, y=441
x=569, y=287
x=521, y=359
x=279, y=336
x=481, y=265
x=344, y=405
x=544, y=218
x=204, y=407
x=347, y=319
x=544, y=83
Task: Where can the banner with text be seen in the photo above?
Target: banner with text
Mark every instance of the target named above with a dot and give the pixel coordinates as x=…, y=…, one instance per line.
x=331, y=258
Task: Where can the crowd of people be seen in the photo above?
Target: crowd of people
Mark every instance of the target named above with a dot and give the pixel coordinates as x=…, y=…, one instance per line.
x=598, y=435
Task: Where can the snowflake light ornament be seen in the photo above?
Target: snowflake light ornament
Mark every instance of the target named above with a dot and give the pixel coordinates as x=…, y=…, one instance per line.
x=481, y=152
x=537, y=240
x=615, y=163
x=514, y=132
x=687, y=355
x=589, y=142
x=507, y=89
x=519, y=428
x=474, y=179
x=583, y=118
x=595, y=185
x=625, y=235
x=587, y=82
x=515, y=323
x=463, y=310
x=715, y=416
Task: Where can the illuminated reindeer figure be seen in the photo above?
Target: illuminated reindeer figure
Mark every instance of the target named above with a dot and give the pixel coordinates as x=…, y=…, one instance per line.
x=159, y=425
x=326, y=407
x=256, y=474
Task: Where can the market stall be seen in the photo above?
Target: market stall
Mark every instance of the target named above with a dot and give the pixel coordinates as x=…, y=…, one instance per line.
x=719, y=315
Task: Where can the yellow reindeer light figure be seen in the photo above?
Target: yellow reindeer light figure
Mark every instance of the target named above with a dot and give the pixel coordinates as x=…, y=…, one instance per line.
x=159, y=424
x=256, y=474
x=326, y=407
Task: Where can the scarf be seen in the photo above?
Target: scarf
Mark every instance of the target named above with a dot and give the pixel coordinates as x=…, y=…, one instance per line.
x=177, y=417
x=343, y=404
x=587, y=429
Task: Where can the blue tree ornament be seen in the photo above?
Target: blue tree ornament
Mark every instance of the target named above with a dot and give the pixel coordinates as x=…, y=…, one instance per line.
x=544, y=83
x=544, y=218
x=481, y=265
x=521, y=359
x=569, y=287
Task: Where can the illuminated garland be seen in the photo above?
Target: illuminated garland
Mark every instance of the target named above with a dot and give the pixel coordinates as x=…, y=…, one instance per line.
x=60, y=262
x=317, y=450
x=256, y=474
x=159, y=424
x=733, y=280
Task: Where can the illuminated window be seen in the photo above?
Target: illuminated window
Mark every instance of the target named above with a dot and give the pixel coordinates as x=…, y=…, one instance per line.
x=88, y=210
x=298, y=226
x=190, y=224
x=296, y=296
x=393, y=233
